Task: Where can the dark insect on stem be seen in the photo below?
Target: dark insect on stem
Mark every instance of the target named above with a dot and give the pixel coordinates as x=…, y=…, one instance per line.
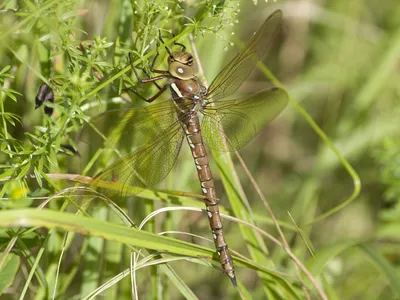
x=44, y=94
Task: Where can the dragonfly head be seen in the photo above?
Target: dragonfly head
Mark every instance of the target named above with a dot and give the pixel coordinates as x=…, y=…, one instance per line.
x=182, y=57
x=180, y=65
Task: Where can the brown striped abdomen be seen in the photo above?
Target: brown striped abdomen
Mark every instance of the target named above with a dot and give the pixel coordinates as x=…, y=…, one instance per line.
x=194, y=138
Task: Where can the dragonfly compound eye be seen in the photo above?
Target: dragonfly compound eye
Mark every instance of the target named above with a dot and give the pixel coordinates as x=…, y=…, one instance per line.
x=181, y=71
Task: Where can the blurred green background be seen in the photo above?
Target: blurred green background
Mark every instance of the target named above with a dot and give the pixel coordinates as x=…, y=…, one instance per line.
x=338, y=60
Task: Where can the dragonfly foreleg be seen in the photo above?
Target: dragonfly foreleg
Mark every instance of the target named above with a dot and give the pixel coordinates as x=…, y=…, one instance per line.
x=154, y=62
x=175, y=43
x=147, y=74
x=179, y=44
x=158, y=94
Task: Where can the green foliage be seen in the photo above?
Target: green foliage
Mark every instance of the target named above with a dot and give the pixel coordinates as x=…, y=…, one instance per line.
x=337, y=59
x=8, y=271
x=389, y=158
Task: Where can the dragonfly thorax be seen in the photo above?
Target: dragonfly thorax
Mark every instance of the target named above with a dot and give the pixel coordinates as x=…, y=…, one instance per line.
x=191, y=88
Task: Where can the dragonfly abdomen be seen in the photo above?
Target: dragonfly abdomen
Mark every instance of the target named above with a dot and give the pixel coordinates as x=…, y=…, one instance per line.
x=195, y=140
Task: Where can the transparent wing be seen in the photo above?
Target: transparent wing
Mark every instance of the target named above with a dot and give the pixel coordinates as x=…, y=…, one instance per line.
x=156, y=133
x=128, y=127
x=235, y=73
x=240, y=120
x=146, y=166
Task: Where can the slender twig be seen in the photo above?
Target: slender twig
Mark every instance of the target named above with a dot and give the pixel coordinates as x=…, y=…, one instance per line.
x=286, y=246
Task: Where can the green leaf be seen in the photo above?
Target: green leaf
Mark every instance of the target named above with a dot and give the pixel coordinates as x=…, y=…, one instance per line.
x=24, y=171
x=7, y=173
x=316, y=264
x=5, y=69
x=8, y=270
x=385, y=267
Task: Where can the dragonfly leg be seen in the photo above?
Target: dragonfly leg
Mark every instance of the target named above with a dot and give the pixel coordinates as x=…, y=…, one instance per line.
x=154, y=62
x=164, y=74
x=158, y=94
x=147, y=74
x=179, y=44
x=175, y=43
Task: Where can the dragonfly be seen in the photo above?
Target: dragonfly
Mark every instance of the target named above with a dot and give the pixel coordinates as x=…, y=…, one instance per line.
x=226, y=125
